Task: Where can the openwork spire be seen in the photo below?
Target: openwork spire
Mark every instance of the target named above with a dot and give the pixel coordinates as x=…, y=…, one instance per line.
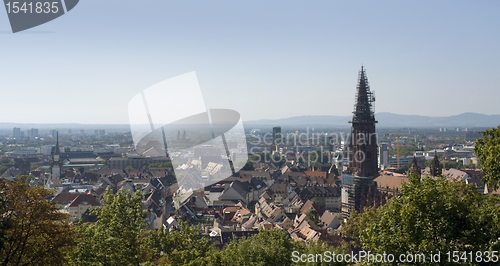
x=363, y=108
x=363, y=159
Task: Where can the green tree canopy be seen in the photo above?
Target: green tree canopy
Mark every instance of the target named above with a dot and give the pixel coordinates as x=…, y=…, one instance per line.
x=487, y=149
x=5, y=160
x=268, y=247
x=117, y=237
x=162, y=165
x=184, y=247
x=272, y=247
x=32, y=230
x=3, y=169
x=248, y=166
x=431, y=215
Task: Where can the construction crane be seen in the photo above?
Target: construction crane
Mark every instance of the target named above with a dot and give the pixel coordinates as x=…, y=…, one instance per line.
x=397, y=149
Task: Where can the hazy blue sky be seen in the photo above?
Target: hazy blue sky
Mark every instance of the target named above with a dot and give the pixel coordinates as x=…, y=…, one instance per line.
x=264, y=59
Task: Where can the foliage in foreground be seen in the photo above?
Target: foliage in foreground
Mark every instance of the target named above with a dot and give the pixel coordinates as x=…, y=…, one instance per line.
x=431, y=215
x=487, y=149
x=32, y=230
x=117, y=237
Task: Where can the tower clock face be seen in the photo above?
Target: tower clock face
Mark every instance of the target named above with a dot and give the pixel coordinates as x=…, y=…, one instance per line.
x=56, y=157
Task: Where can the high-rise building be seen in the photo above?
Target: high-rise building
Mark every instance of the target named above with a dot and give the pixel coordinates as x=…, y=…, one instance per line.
x=383, y=155
x=16, y=132
x=32, y=133
x=276, y=134
x=53, y=133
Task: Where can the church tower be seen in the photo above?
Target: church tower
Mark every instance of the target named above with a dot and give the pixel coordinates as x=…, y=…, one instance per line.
x=56, y=160
x=358, y=188
x=436, y=167
x=414, y=168
x=363, y=159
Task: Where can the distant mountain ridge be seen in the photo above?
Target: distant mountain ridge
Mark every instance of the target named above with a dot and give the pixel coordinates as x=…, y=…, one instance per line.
x=388, y=120
x=384, y=120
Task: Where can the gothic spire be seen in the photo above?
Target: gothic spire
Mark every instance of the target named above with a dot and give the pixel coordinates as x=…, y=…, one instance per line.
x=363, y=108
x=436, y=167
x=414, y=167
x=57, y=150
x=362, y=148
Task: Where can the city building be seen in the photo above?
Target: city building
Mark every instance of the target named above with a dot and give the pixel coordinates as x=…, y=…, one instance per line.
x=16, y=132
x=32, y=133
x=383, y=155
x=136, y=162
x=276, y=135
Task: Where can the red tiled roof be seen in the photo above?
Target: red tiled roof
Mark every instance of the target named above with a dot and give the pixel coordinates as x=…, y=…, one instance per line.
x=65, y=198
x=84, y=197
x=315, y=173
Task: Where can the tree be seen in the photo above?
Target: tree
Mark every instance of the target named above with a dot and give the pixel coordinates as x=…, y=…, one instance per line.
x=184, y=247
x=268, y=247
x=321, y=248
x=487, y=149
x=32, y=230
x=335, y=171
x=26, y=178
x=431, y=215
x=248, y=166
x=3, y=169
x=5, y=160
x=117, y=237
x=429, y=163
x=161, y=165
x=313, y=217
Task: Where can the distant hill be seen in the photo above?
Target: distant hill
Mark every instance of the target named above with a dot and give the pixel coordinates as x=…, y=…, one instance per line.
x=384, y=120
x=63, y=126
x=388, y=120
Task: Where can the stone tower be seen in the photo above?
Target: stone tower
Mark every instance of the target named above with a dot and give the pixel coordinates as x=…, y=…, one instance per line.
x=363, y=159
x=436, y=167
x=56, y=161
x=414, y=168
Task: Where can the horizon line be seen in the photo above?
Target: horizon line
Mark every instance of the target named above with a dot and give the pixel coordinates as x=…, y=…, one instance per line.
x=254, y=120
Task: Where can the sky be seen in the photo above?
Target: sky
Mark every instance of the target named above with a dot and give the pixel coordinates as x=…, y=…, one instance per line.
x=264, y=59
